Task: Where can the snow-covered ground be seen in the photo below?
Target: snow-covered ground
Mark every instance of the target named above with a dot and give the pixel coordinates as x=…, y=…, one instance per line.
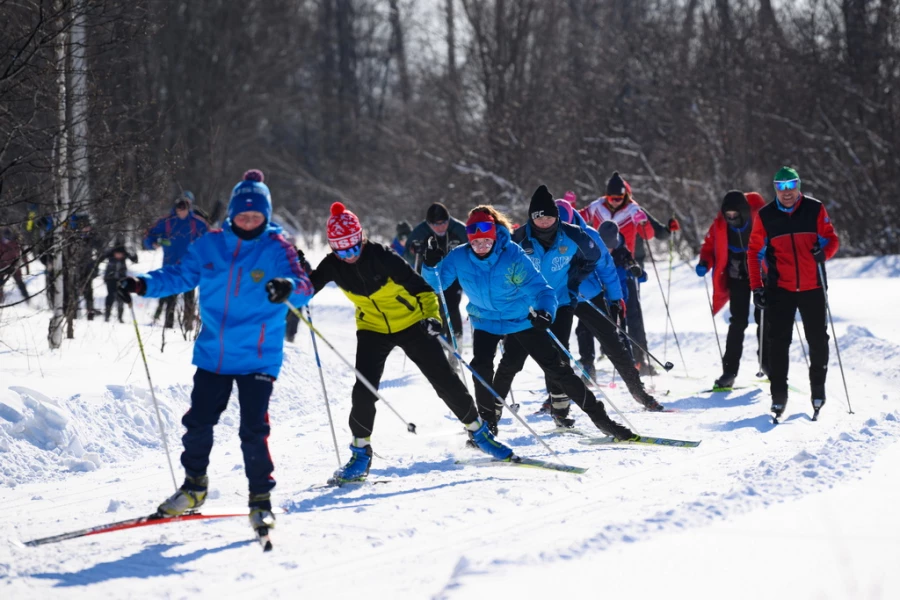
x=798, y=510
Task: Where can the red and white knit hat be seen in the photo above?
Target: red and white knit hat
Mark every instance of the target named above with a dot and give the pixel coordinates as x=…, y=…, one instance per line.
x=343, y=228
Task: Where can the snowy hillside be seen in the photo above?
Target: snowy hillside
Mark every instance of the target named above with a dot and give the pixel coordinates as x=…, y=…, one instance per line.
x=798, y=510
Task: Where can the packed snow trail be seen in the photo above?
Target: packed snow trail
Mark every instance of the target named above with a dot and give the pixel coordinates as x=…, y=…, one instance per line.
x=79, y=447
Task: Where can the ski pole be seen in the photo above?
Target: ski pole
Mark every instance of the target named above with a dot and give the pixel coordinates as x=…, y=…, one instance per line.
x=800, y=339
x=834, y=333
x=449, y=323
x=669, y=295
x=715, y=329
x=605, y=397
x=668, y=366
x=666, y=304
x=410, y=427
x=162, y=430
x=475, y=374
x=762, y=344
x=324, y=391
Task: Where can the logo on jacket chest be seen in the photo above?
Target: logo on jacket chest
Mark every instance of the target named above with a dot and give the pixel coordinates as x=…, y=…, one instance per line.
x=559, y=263
x=256, y=275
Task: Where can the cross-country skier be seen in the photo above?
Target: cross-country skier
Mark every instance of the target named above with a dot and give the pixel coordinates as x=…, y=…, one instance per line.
x=618, y=205
x=116, y=270
x=795, y=236
x=394, y=307
x=237, y=269
x=448, y=233
x=725, y=251
x=605, y=290
x=509, y=299
x=175, y=233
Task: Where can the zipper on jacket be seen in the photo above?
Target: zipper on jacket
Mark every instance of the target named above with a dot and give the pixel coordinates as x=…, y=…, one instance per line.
x=384, y=316
x=237, y=286
x=225, y=310
x=262, y=338
x=796, y=261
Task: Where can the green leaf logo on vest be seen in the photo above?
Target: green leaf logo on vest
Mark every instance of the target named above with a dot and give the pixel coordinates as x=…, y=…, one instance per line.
x=256, y=275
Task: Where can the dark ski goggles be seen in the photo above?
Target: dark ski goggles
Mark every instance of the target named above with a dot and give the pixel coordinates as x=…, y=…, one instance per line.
x=479, y=227
x=782, y=186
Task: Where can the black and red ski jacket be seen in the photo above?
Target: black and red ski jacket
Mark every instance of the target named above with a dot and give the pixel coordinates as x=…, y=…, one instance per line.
x=786, y=240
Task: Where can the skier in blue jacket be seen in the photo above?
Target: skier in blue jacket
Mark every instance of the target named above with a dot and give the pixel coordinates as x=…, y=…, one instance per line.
x=237, y=269
x=175, y=233
x=508, y=298
x=605, y=290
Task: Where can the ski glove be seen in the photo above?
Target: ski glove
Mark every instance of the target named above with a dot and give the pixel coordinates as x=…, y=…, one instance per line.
x=617, y=310
x=279, y=289
x=639, y=217
x=128, y=286
x=303, y=262
x=759, y=298
x=432, y=327
x=540, y=319
x=434, y=254
x=702, y=268
x=818, y=253
x=634, y=268
x=674, y=225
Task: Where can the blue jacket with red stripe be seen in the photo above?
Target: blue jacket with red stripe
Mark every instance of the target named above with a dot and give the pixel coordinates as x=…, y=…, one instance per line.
x=175, y=235
x=242, y=332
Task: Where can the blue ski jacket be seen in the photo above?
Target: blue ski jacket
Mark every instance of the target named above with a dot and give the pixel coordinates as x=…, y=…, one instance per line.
x=501, y=287
x=242, y=332
x=175, y=235
x=605, y=278
x=570, y=259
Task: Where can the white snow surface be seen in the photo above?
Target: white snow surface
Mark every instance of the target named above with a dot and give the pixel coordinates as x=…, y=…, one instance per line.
x=798, y=510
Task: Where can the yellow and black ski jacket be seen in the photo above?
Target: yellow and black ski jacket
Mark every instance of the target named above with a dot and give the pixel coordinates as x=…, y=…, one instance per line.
x=388, y=294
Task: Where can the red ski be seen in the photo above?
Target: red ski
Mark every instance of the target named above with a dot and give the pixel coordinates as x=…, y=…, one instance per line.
x=154, y=519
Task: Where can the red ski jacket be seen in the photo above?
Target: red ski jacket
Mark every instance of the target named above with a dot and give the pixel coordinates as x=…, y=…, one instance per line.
x=714, y=251
x=598, y=211
x=786, y=240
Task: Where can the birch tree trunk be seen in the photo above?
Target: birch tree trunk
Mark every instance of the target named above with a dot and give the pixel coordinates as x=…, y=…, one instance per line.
x=62, y=196
x=80, y=165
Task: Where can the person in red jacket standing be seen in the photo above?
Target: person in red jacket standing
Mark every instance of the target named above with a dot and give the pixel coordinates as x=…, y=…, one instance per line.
x=795, y=236
x=725, y=251
x=619, y=206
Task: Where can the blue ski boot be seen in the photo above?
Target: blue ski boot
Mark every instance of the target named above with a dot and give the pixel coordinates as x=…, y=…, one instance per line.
x=357, y=468
x=485, y=441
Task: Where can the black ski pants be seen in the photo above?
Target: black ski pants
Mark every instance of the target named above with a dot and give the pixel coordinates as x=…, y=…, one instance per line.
x=208, y=400
x=634, y=319
x=112, y=297
x=585, y=343
x=781, y=306
x=739, y=304
x=610, y=342
x=372, y=350
x=453, y=295
x=518, y=347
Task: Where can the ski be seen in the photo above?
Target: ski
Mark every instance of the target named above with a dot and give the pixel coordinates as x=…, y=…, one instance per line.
x=563, y=430
x=519, y=461
x=719, y=390
x=153, y=519
x=640, y=439
x=333, y=483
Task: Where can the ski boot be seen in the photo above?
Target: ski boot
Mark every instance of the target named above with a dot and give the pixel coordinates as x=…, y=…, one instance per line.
x=779, y=403
x=483, y=439
x=591, y=371
x=646, y=400
x=817, y=405
x=545, y=407
x=357, y=468
x=559, y=411
x=725, y=382
x=261, y=511
x=602, y=421
x=190, y=496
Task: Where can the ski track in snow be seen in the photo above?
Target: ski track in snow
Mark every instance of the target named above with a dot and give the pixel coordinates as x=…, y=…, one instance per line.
x=79, y=446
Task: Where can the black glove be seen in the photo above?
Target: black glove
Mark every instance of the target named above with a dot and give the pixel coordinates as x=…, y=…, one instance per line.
x=279, y=289
x=540, y=319
x=616, y=310
x=434, y=254
x=303, y=262
x=759, y=298
x=128, y=286
x=818, y=253
x=634, y=268
x=432, y=327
